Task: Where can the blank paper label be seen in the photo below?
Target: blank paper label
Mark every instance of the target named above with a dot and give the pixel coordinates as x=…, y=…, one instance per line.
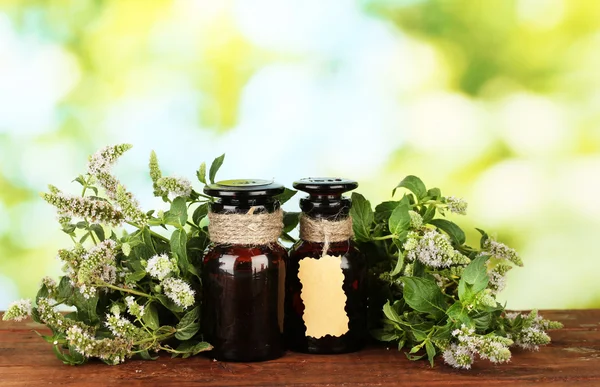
x=323, y=296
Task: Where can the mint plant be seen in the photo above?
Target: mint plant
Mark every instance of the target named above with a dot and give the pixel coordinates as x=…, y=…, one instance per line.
x=133, y=291
x=430, y=291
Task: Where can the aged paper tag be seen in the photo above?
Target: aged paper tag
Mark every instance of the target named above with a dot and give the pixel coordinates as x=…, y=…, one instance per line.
x=323, y=296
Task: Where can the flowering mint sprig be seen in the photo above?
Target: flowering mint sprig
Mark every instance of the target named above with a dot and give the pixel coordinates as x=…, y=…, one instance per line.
x=97, y=211
x=129, y=297
x=179, y=292
x=441, y=292
x=18, y=310
x=160, y=266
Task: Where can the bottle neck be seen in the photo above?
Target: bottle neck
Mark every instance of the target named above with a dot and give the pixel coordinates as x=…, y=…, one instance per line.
x=260, y=205
x=326, y=207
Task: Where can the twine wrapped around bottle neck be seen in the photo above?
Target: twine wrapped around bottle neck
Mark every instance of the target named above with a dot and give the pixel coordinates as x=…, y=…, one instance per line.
x=325, y=231
x=245, y=229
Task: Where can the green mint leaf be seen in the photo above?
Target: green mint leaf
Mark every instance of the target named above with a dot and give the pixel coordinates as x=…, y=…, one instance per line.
x=81, y=180
x=475, y=274
x=484, y=237
x=76, y=357
x=423, y=295
x=442, y=332
x=150, y=317
x=65, y=290
x=391, y=313
x=214, y=167
x=177, y=214
x=198, y=244
x=473, y=280
x=201, y=347
x=418, y=269
x=145, y=355
x=414, y=357
x=126, y=249
x=136, y=276
x=188, y=326
x=434, y=193
x=201, y=173
x=42, y=292
x=290, y=221
x=84, y=238
x=384, y=210
x=414, y=185
x=399, y=264
x=465, y=291
x=143, y=246
x=167, y=303
x=362, y=217
x=286, y=195
x=430, y=351
x=458, y=314
x=456, y=233
x=383, y=335
x=199, y=213
x=482, y=320
x=192, y=347
x=287, y=237
x=86, y=308
x=428, y=214
x=99, y=231
x=178, y=244
x=399, y=219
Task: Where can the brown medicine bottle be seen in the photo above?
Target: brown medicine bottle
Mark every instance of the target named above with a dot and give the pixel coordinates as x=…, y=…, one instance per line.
x=243, y=272
x=326, y=299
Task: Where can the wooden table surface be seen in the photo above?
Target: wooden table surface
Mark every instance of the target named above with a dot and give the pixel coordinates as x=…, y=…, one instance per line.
x=573, y=358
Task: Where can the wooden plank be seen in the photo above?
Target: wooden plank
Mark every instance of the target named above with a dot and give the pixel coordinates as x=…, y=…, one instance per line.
x=573, y=358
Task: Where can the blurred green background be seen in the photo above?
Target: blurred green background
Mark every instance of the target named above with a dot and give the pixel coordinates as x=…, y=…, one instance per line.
x=497, y=101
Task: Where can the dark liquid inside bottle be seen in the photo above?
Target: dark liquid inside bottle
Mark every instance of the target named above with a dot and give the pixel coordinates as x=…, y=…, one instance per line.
x=242, y=307
x=354, y=269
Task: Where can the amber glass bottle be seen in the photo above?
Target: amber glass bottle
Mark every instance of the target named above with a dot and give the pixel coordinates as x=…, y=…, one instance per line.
x=243, y=274
x=326, y=300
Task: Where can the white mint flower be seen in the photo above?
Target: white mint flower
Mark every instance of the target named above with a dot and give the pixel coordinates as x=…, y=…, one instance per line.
x=115, y=309
x=469, y=344
x=174, y=187
x=130, y=207
x=50, y=285
x=121, y=327
x=456, y=205
x=53, y=319
x=109, y=183
x=97, y=211
x=134, y=308
x=433, y=249
x=497, y=276
x=155, y=173
x=416, y=221
x=49, y=282
x=103, y=160
x=160, y=266
x=18, y=310
x=179, y=292
x=97, y=267
x=485, y=298
x=100, y=166
x=458, y=356
x=532, y=333
x=501, y=251
x=113, y=351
